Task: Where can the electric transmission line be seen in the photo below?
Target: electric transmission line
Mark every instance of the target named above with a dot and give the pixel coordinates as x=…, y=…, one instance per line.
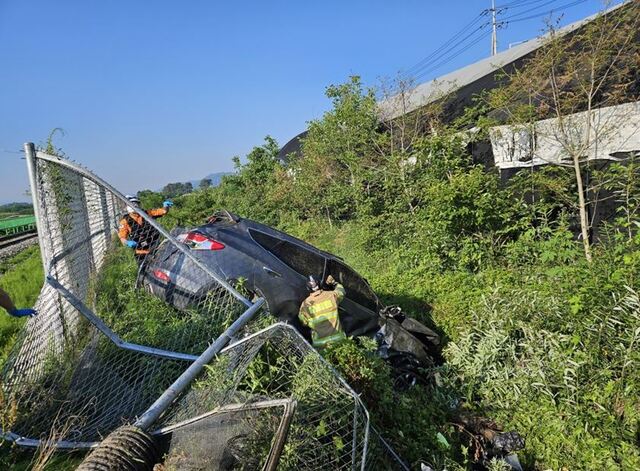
x=479, y=28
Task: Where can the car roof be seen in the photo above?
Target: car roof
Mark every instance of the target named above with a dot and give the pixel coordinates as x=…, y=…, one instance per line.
x=233, y=223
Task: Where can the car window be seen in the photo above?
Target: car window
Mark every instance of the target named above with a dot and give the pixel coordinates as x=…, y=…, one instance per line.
x=356, y=287
x=295, y=256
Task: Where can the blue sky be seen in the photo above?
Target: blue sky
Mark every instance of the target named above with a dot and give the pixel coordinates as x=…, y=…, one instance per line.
x=155, y=92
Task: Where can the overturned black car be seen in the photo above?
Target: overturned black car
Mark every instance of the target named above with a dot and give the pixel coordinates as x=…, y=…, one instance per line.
x=274, y=265
x=271, y=264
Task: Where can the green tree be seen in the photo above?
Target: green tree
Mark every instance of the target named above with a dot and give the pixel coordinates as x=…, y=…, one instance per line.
x=150, y=199
x=569, y=79
x=251, y=186
x=205, y=183
x=341, y=154
x=173, y=190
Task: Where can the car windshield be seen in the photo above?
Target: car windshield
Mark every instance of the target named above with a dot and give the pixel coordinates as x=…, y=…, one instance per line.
x=296, y=257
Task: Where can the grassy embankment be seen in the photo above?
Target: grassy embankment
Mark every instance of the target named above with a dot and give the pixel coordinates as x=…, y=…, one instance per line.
x=542, y=341
x=21, y=276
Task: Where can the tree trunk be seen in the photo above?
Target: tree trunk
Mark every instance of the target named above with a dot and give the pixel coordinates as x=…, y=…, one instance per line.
x=584, y=220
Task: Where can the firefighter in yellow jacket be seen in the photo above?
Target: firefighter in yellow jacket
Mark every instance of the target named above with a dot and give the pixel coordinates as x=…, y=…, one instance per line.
x=319, y=312
x=136, y=233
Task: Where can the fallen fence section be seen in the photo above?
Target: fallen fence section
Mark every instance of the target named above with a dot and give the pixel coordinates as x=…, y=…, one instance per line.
x=270, y=400
x=126, y=337
x=100, y=352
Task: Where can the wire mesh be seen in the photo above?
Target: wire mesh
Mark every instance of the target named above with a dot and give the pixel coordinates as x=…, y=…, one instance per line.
x=68, y=366
x=329, y=428
x=247, y=436
x=117, y=325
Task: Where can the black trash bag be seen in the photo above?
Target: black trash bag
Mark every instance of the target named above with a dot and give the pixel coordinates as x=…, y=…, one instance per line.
x=406, y=371
x=506, y=443
x=409, y=360
x=393, y=338
x=429, y=339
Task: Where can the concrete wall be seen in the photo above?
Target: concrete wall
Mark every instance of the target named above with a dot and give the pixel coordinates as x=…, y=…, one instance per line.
x=604, y=134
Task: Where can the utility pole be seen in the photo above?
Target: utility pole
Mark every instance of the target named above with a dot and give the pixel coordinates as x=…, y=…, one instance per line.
x=494, y=29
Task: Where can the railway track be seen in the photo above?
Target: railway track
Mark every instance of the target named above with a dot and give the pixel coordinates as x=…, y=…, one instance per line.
x=8, y=241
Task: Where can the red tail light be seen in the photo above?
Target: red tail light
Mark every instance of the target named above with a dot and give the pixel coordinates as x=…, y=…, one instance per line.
x=198, y=241
x=162, y=275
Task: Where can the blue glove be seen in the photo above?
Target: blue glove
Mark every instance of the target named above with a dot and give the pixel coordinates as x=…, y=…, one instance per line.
x=167, y=204
x=23, y=312
x=132, y=244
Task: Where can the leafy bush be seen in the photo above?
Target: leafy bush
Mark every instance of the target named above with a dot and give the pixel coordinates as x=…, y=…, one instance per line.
x=539, y=339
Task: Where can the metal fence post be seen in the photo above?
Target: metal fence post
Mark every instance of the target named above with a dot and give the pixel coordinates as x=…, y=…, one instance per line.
x=185, y=379
x=32, y=168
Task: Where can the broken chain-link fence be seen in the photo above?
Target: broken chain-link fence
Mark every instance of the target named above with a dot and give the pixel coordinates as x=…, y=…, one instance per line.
x=124, y=331
x=113, y=330
x=262, y=392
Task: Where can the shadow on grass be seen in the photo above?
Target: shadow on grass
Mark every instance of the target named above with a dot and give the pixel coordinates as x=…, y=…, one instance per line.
x=22, y=459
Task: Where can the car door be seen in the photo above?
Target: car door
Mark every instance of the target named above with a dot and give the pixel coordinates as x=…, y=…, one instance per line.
x=304, y=262
x=359, y=309
x=283, y=270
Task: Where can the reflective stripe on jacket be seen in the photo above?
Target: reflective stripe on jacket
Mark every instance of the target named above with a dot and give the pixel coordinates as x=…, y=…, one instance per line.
x=319, y=312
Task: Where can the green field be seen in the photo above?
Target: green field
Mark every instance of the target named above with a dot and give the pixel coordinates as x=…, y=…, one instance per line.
x=22, y=277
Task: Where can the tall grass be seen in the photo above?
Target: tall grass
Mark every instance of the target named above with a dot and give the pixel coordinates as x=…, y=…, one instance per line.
x=546, y=346
x=22, y=277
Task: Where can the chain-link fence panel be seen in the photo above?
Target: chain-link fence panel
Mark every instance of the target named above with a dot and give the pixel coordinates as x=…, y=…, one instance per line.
x=124, y=311
x=247, y=436
x=125, y=334
x=241, y=396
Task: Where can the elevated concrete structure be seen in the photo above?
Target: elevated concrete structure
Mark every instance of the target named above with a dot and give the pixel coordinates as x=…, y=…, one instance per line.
x=468, y=81
x=610, y=133
x=460, y=86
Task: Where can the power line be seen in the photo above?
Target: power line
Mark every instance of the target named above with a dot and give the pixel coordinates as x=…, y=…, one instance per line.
x=518, y=4
x=469, y=36
x=548, y=2
x=516, y=19
x=452, y=57
x=463, y=43
x=465, y=29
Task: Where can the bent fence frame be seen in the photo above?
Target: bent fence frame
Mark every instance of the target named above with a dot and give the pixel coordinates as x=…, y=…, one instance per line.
x=198, y=361
x=67, y=293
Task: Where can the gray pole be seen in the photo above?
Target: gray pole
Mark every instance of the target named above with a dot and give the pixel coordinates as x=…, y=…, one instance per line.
x=494, y=28
x=30, y=155
x=163, y=402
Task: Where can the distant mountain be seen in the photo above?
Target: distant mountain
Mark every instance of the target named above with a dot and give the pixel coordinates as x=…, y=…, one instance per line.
x=215, y=178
